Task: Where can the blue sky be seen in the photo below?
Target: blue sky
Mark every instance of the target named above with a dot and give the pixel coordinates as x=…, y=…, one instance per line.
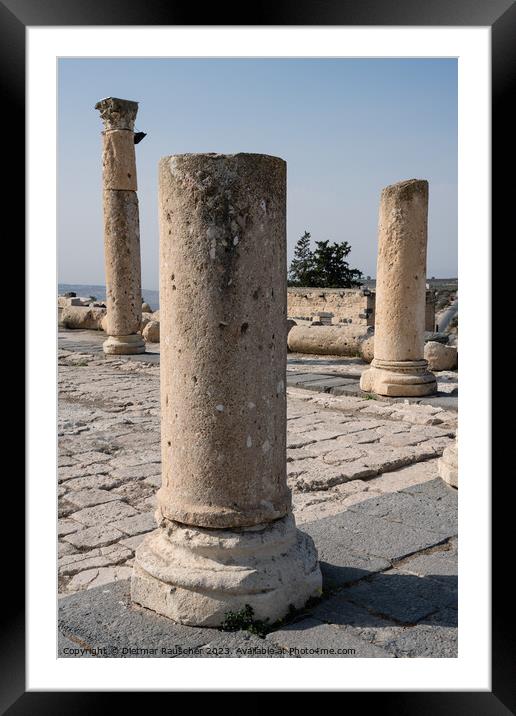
x=346, y=127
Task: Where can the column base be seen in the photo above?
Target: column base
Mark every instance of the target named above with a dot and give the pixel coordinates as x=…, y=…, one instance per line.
x=398, y=379
x=195, y=576
x=448, y=466
x=124, y=345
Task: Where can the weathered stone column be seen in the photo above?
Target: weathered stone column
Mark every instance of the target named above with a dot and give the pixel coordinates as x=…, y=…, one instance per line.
x=399, y=367
x=448, y=465
x=226, y=536
x=121, y=228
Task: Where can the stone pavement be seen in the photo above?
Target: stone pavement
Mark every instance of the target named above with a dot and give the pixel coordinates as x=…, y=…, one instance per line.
x=364, y=480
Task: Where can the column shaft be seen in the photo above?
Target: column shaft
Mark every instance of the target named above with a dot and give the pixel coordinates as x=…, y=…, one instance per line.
x=223, y=357
x=121, y=228
x=226, y=535
x=398, y=367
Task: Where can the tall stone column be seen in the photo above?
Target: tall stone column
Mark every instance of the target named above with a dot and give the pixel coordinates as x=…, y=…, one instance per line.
x=121, y=227
x=226, y=535
x=399, y=367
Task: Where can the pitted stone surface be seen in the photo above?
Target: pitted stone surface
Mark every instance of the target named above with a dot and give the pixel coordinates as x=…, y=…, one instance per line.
x=448, y=465
x=226, y=538
x=119, y=160
x=223, y=350
x=398, y=367
x=121, y=228
x=122, y=262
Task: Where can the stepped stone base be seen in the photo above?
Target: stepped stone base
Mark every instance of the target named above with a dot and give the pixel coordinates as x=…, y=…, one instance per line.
x=124, y=345
x=399, y=378
x=195, y=576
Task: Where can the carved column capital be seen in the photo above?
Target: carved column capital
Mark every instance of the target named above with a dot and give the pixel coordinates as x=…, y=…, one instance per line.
x=117, y=113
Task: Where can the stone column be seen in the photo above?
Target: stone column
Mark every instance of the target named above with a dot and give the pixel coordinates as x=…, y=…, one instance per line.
x=448, y=465
x=226, y=536
x=121, y=228
x=399, y=367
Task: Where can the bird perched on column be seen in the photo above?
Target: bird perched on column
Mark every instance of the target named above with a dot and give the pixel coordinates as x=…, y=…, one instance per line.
x=139, y=136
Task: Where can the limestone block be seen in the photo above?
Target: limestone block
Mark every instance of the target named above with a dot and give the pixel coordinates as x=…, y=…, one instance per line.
x=448, y=465
x=327, y=340
x=119, y=160
x=440, y=357
x=82, y=317
x=151, y=332
x=146, y=317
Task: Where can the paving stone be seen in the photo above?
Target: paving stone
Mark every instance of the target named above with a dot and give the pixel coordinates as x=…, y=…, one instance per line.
x=66, y=527
x=101, y=557
x=64, y=548
x=103, y=618
x=93, y=482
x=304, y=423
x=339, y=610
x=447, y=402
x=306, y=378
x=327, y=384
x=133, y=491
x=88, y=498
x=401, y=596
x=437, y=563
x=139, y=459
x=399, y=479
x=101, y=576
x=343, y=454
x=132, y=542
x=106, y=513
x=137, y=472
x=97, y=536
x=313, y=474
x=66, y=648
x=377, y=541
x=137, y=524
x=415, y=509
x=240, y=645
x=91, y=457
x=68, y=473
x=434, y=637
x=313, y=639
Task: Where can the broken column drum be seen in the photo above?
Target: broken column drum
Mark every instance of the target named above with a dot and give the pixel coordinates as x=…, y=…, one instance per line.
x=399, y=367
x=226, y=535
x=448, y=465
x=121, y=228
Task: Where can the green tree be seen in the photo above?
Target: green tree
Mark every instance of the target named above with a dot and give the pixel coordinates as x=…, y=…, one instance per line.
x=330, y=268
x=301, y=268
x=326, y=267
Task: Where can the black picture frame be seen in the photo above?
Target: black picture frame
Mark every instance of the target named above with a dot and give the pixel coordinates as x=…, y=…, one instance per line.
x=500, y=16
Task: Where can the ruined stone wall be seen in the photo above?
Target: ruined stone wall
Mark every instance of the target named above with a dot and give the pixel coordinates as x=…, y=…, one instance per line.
x=348, y=305
x=355, y=306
